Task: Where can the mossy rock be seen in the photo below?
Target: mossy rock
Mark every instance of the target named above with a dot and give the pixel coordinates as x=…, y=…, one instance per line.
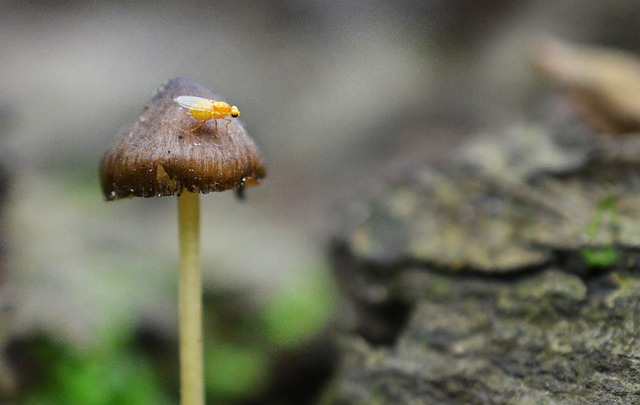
x=508, y=275
x=495, y=209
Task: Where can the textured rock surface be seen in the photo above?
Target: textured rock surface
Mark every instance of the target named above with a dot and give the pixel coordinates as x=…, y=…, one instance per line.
x=492, y=211
x=507, y=276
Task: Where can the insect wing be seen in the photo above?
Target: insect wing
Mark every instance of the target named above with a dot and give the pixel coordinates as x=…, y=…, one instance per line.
x=195, y=103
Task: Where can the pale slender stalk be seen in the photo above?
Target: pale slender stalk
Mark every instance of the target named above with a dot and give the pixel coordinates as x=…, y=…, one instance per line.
x=190, y=300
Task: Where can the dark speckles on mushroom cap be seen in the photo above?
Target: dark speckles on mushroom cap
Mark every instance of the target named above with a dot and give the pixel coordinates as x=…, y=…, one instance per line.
x=160, y=155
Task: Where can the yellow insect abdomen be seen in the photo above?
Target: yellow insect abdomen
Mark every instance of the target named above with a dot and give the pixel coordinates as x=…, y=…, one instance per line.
x=201, y=115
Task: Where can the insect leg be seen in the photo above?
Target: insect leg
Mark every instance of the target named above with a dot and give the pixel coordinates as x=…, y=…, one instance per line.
x=198, y=126
x=190, y=133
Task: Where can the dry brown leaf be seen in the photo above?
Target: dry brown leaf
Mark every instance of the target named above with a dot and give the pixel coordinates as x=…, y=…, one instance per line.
x=602, y=83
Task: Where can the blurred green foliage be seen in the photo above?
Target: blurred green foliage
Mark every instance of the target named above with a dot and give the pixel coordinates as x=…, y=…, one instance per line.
x=235, y=371
x=239, y=354
x=107, y=374
x=298, y=311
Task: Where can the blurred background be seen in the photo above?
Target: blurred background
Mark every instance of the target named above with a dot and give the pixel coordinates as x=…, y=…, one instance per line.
x=336, y=94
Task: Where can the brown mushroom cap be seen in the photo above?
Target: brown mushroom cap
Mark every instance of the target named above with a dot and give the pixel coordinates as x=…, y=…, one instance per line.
x=165, y=152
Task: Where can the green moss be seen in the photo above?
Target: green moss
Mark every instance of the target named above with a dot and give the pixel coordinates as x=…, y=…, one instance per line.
x=440, y=288
x=605, y=215
x=600, y=257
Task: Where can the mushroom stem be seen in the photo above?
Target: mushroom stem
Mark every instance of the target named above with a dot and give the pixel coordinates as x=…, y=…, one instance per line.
x=190, y=300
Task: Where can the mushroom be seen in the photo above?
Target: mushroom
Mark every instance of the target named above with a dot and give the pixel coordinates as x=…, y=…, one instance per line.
x=168, y=152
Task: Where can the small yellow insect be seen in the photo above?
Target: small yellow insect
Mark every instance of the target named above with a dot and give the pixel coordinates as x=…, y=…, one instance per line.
x=205, y=109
